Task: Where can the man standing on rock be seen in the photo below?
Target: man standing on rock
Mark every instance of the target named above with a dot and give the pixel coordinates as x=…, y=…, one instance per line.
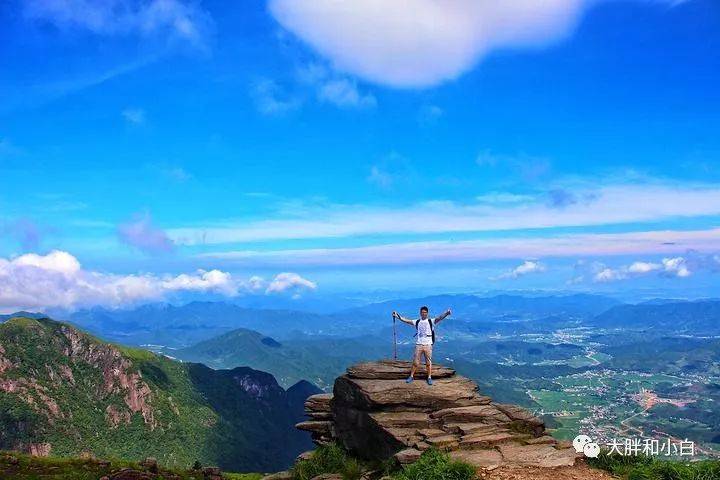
x=425, y=332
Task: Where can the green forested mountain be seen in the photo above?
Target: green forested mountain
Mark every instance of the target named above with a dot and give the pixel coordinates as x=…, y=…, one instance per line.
x=65, y=392
x=243, y=347
x=318, y=359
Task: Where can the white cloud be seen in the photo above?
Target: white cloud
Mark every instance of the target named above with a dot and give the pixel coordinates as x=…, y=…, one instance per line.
x=344, y=93
x=677, y=267
x=57, y=261
x=525, y=268
x=203, y=281
x=272, y=99
x=669, y=243
x=57, y=280
x=334, y=88
x=643, y=267
x=608, y=275
x=312, y=82
x=668, y=267
x=611, y=204
x=289, y=281
x=136, y=116
x=587, y=271
x=255, y=283
x=528, y=267
x=420, y=43
x=175, y=20
x=503, y=197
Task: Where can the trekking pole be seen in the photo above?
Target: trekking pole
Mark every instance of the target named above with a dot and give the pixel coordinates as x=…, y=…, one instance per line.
x=394, y=339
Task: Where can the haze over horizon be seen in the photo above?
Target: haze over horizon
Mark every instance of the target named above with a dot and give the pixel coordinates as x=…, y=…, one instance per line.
x=298, y=150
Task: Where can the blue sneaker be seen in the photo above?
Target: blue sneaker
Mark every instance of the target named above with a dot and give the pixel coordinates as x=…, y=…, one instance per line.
x=429, y=380
x=409, y=380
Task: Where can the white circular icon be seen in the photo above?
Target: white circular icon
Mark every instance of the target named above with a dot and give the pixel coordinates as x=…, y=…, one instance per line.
x=591, y=450
x=580, y=442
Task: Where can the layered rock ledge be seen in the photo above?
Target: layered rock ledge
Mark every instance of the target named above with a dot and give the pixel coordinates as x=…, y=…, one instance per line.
x=374, y=414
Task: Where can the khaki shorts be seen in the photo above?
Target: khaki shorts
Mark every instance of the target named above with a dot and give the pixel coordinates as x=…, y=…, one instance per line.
x=423, y=350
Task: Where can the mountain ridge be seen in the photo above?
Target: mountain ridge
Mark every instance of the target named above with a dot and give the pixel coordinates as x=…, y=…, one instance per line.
x=576, y=303
x=68, y=393
x=696, y=317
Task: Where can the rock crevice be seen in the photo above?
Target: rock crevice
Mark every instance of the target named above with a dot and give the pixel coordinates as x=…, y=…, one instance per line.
x=374, y=414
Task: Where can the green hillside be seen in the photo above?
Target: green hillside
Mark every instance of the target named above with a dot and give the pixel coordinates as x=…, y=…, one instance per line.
x=247, y=347
x=318, y=359
x=67, y=393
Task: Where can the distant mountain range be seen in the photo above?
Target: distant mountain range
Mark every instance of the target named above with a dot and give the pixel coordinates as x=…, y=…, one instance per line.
x=465, y=306
x=65, y=392
x=185, y=325
x=695, y=318
x=320, y=358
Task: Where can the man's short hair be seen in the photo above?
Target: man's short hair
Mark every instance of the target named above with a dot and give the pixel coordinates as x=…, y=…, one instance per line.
x=423, y=308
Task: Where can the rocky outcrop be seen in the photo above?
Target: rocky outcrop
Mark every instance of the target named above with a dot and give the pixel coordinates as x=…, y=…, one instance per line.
x=40, y=449
x=119, y=376
x=320, y=425
x=5, y=364
x=374, y=414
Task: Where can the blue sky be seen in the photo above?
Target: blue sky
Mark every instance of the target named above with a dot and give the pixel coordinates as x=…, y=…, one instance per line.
x=150, y=148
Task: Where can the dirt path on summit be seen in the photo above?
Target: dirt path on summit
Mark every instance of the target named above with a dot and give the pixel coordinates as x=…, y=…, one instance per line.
x=577, y=472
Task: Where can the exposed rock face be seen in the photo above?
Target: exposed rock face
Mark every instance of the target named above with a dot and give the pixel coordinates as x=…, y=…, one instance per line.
x=320, y=425
x=375, y=414
x=5, y=364
x=40, y=449
x=118, y=376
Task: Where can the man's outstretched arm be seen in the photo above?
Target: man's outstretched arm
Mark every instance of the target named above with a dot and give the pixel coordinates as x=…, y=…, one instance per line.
x=442, y=317
x=409, y=321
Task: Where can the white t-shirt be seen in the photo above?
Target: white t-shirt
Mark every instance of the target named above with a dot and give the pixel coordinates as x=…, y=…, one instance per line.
x=424, y=334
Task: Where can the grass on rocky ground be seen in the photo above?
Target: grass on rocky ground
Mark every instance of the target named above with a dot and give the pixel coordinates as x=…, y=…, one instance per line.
x=437, y=465
x=433, y=465
x=18, y=466
x=641, y=467
x=327, y=459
